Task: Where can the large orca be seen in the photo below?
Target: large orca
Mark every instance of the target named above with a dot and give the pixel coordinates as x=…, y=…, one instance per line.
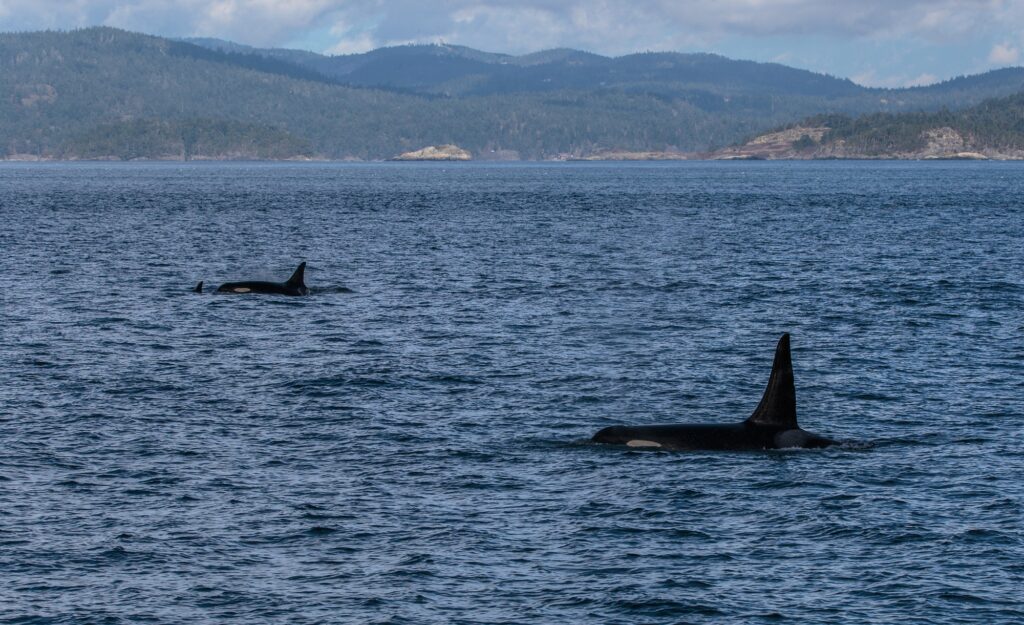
x=295, y=285
x=772, y=426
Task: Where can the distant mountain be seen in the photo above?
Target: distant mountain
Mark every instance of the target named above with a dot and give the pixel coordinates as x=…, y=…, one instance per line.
x=461, y=71
x=993, y=129
x=107, y=93
x=68, y=90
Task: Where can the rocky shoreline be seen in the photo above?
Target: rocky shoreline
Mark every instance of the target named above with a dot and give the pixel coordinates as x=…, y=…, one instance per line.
x=447, y=152
x=806, y=143
x=794, y=144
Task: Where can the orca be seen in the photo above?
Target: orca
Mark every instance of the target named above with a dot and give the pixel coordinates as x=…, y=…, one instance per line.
x=199, y=287
x=295, y=285
x=772, y=425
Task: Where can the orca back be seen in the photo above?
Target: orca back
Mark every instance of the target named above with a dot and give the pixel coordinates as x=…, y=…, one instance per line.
x=294, y=285
x=772, y=425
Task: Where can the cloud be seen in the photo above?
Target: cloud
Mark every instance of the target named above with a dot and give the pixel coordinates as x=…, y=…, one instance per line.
x=352, y=43
x=615, y=27
x=871, y=78
x=607, y=26
x=1004, y=54
x=259, y=22
x=922, y=80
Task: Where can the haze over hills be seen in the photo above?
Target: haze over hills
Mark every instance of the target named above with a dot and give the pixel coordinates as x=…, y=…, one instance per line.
x=459, y=71
x=106, y=93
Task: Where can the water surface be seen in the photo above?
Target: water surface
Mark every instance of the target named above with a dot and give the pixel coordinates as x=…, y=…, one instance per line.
x=413, y=451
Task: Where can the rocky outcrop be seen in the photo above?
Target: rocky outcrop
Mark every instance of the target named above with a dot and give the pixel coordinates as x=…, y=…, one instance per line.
x=30, y=96
x=959, y=156
x=806, y=143
x=436, y=153
x=943, y=140
x=791, y=143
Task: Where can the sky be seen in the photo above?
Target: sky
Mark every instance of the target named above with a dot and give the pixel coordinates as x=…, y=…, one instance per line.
x=887, y=43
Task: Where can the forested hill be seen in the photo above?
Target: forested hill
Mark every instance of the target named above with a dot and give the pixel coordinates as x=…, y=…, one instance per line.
x=106, y=93
x=460, y=71
x=701, y=78
x=993, y=129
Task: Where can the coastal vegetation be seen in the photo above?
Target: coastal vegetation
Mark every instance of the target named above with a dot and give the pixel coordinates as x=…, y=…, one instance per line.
x=186, y=139
x=996, y=124
x=102, y=93
x=993, y=129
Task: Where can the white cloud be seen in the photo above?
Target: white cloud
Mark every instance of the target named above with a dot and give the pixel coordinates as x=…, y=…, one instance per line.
x=616, y=27
x=870, y=78
x=607, y=26
x=505, y=27
x=353, y=44
x=258, y=22
x=922, y=80
x=1004, y=54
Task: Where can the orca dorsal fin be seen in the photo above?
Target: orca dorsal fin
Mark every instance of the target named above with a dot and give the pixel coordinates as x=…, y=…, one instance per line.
x=299, y=277
x=199, y=287
x=778, y=404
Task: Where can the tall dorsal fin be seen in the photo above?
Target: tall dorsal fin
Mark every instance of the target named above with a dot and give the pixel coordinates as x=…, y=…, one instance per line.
x=299, y=277
x=778, y=404
x=199, y=287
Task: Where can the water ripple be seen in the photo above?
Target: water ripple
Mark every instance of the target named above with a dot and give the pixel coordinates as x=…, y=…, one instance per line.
x=408, y=444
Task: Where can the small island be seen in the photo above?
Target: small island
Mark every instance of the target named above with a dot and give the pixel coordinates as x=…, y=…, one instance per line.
x=447, y=152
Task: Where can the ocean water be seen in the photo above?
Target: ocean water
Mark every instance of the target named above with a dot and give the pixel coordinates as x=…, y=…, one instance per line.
x=408, y=444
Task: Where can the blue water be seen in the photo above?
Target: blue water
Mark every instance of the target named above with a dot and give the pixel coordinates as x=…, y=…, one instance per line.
x=413, y=451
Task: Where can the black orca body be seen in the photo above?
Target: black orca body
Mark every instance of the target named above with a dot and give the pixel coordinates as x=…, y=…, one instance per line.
x=772, y=426
x=295, y=285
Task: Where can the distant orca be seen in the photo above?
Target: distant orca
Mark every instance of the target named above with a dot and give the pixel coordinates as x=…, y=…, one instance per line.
x=293, y=286
x=199, y=287
x=772, y=426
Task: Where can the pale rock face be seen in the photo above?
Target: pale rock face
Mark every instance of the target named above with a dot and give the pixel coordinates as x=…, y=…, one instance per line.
x=944, y=140
x=35, y=95
x=436, y=153
x=790, y=135
x=773, y=145
x=941, y=143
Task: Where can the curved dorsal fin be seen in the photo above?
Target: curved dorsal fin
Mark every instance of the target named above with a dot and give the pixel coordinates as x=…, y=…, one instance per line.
x=199, y=287
x=778, y=404
x=298, y=278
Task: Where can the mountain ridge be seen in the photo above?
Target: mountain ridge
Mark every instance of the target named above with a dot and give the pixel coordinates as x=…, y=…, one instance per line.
x=108, y=93
x=346, y=64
